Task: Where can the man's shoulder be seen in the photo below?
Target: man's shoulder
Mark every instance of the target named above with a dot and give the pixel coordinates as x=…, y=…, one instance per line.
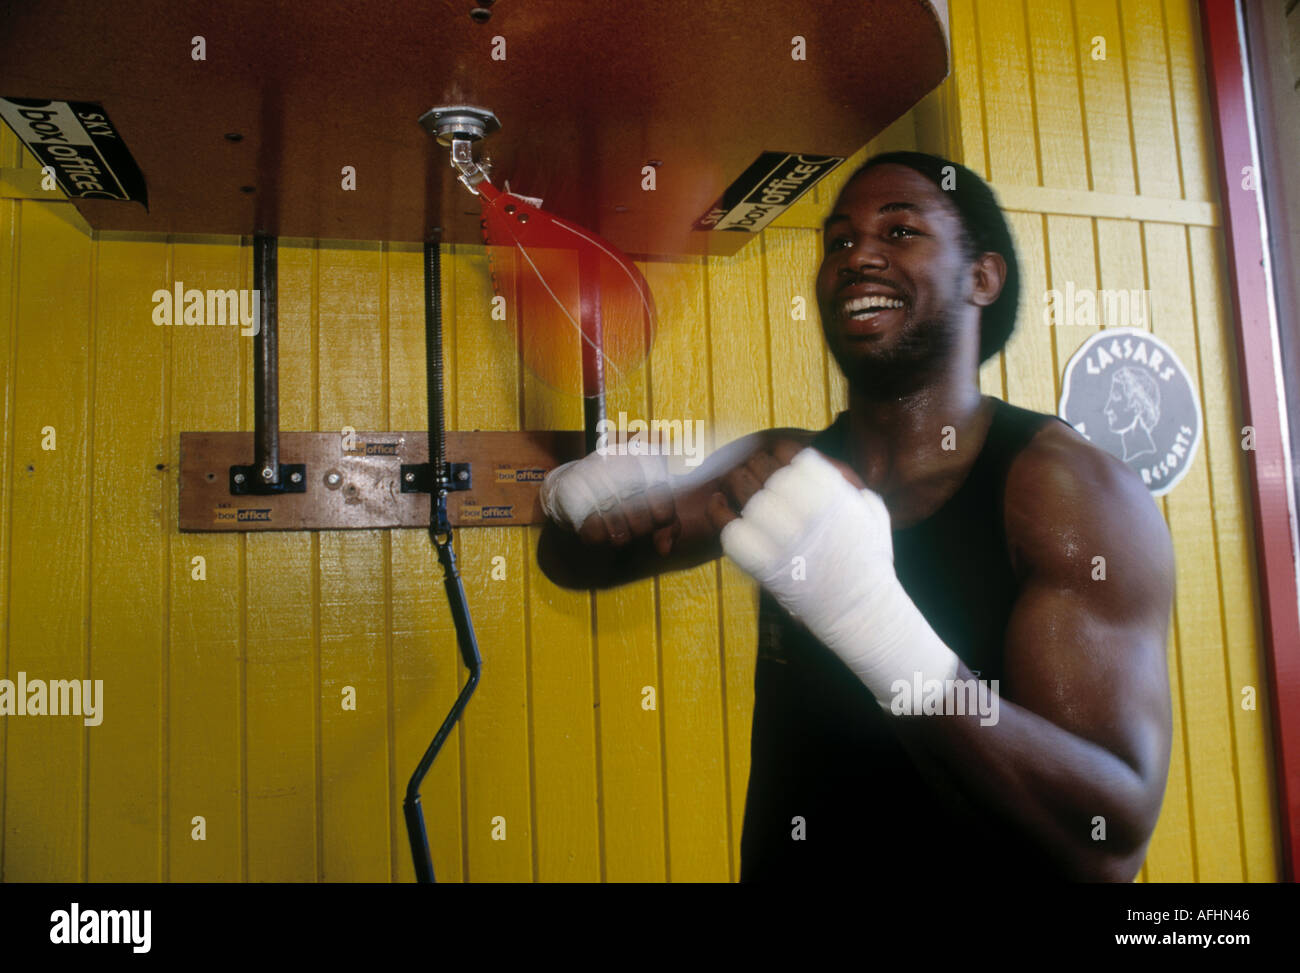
x=1058, y=463
x=1066, y=498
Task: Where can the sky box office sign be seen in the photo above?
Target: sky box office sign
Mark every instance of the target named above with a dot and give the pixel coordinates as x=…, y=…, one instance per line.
x=78, y=143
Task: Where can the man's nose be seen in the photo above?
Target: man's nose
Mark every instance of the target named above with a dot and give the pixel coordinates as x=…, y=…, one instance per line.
x=867, y=254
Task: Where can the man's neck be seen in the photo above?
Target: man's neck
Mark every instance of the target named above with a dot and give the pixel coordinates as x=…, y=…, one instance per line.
x=897, y=440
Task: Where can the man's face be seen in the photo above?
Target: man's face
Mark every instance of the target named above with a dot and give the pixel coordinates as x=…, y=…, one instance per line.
x=894, y=278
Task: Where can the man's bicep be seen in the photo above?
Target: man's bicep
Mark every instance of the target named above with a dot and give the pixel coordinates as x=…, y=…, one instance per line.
x=1086, y=640
x=1073, y=660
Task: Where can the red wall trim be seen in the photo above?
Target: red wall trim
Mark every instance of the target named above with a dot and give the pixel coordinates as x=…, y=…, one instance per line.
x=1261, y=400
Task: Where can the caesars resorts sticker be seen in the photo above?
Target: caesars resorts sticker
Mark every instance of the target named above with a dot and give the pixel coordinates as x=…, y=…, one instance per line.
x=1126, y=392
x=79, y=144
x=765, y=190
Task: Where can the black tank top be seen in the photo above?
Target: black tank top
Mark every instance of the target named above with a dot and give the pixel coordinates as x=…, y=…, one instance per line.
x=822, y=749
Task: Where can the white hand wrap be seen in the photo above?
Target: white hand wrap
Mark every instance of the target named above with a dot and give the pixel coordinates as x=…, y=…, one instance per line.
x=574, y=491
x=845, y=591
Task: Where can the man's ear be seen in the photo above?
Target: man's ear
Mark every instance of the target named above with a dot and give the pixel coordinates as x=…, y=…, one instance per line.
x=988, y=274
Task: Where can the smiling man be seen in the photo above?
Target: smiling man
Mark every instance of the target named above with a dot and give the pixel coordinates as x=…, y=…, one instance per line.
x=964, y=604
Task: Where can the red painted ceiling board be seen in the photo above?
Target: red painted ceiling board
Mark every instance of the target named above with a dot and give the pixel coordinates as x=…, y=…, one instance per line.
x=588, y=93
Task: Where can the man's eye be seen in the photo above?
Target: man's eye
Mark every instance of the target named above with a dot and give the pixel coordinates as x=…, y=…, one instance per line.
x=903, y=229
x=839, y=243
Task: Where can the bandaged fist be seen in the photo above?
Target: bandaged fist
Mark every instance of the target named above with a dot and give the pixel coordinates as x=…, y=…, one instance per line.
x=613, y=499
x=824, y=550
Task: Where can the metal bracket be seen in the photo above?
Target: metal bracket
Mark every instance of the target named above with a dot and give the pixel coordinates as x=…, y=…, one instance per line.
x=459, y=127
x=248, y=481
x=419, y=478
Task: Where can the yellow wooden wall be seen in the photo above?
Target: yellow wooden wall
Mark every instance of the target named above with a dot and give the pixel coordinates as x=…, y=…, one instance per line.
x=223, y=695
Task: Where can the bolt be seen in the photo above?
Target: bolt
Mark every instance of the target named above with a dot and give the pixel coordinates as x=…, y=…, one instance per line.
x=268, y=473
x=239, y=477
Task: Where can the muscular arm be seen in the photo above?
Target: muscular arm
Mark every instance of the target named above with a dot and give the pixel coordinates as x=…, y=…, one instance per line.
x=610, y=551
x=1084, y=721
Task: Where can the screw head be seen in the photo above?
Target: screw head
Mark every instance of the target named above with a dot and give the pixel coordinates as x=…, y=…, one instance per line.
x=268, y=474
x=239, y=477
x=462, y=475
x=333, y=479
x=409, y=477
x=296, y=477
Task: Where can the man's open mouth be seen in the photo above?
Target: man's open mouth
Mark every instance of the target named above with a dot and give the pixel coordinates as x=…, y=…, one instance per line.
x=863, y=315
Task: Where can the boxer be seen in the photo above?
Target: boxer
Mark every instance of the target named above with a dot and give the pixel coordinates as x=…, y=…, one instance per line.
x=932, y=539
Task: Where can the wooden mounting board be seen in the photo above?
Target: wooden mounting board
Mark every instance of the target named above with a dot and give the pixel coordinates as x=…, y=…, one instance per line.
x=588, y=94
x=507, y=469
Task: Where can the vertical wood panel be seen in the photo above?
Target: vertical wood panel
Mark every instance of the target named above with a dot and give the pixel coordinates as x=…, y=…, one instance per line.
x=742, y=403
x=968, y=94
x=1105, y=100
x=280, y=679
x=631, y=748
x=1150, y=100
x=1004, y=68
x=797, y=349
x=1030, y=371
x=45, y=755
x=690, y=692
x=1054, y=60
x=1190, y=97
x=10, y=242
x=1235, y=567
x=1196, y=607
x=566, y=768
x=497, y=773
x=355, y=786
x=204, y=674
x=1072, y=261
x=134, y=476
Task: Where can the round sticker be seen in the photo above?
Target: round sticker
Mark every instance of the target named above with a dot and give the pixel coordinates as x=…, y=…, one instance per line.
x=1126, y=391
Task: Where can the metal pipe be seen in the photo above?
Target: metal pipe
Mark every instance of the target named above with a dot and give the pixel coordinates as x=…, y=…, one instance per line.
x=266, y=363
x=440, y=530
x=433, y=354
x=411, y=807
x=593, y=348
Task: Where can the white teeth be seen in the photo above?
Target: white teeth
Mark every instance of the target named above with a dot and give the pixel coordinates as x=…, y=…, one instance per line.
x=872, y=302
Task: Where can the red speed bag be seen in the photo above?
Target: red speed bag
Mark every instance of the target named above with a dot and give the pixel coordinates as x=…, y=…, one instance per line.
x=583, y=312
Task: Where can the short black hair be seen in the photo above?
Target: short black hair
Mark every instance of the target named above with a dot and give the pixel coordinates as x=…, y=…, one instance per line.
x=986, y=230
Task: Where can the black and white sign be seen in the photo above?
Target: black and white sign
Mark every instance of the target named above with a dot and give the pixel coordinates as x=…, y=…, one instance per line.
x=1126, y=392
x=765, y=190
x=80, y=144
